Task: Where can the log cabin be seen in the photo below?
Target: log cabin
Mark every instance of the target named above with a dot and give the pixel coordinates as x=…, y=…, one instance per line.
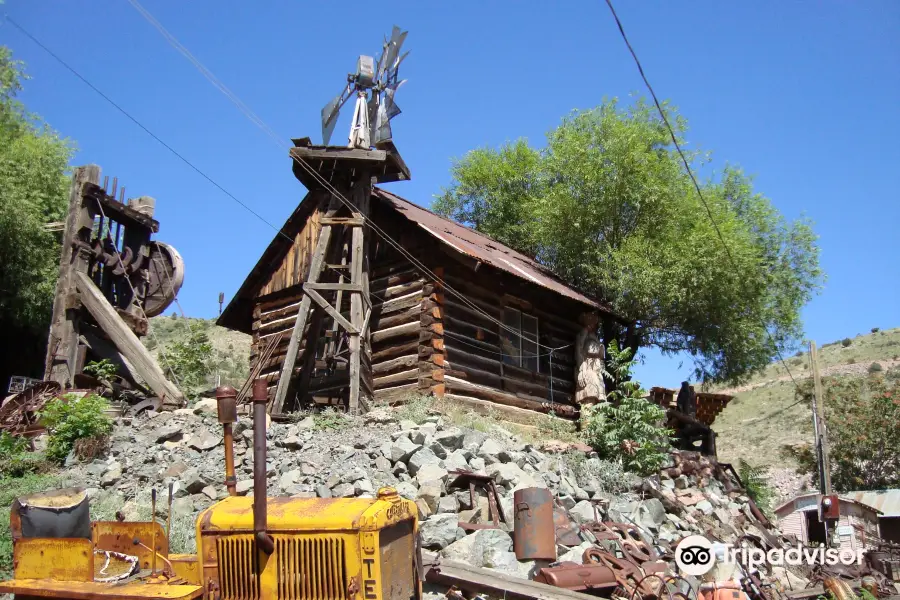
x=434, y=326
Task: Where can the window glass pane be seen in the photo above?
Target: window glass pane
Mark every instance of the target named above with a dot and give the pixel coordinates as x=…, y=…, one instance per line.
x=529, y=342
x=511, y=343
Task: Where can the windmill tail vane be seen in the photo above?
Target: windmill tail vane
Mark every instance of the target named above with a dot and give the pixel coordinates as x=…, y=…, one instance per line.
x=374, y=85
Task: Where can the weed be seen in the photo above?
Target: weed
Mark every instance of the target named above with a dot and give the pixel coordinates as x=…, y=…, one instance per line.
x=103, y=370
x=875, y=368
x=416, y=408
x=15, y=458
x=756, y=483
x=846, y=342
x=851, y=361
x=875, y=330
x=609, y=475
x=329, y=419
x=69, y=419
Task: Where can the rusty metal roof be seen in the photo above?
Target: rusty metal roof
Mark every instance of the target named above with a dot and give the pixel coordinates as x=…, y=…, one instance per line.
x=482, y=248
x=887, y=501
x=884, y=502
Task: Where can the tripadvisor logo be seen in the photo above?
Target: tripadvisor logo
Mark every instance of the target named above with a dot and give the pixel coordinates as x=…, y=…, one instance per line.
x=695, y=555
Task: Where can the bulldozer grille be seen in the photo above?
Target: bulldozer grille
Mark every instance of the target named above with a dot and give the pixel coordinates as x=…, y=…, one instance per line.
x=311, y=568
x=238, y=567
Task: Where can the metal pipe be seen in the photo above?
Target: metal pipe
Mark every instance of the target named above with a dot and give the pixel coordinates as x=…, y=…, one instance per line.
x=260, y=397
x=153, y=534
x=226, y=399
x=169, y=520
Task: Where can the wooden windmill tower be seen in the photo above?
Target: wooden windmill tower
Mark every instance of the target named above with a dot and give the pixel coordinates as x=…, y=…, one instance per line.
x=339, y=263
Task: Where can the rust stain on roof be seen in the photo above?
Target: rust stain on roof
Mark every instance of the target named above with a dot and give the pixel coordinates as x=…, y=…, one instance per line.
x=482, y=248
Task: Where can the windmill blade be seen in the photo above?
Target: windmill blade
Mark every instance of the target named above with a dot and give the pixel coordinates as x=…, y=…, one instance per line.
x=393, y=50
x=330, y=114
x=382, y=126
x=391, y=108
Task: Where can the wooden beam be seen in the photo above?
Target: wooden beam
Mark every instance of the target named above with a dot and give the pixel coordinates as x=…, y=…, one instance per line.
x=322, y=302
x=398, y=331
x=126, y=342
x=315, y=269
x=491, y=582
x=62, y=345
x=334, y=287
x=389, y=365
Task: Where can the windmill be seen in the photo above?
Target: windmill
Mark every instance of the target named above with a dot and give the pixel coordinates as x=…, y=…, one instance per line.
x=375, y=86
x=342, y=177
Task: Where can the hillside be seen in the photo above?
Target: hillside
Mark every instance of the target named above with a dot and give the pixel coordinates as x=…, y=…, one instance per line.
x=230, y=349
x=764, y=415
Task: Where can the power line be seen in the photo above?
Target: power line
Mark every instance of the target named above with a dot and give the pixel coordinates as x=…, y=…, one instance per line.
x=303, y=164
x=690, y=172
x=138, y=123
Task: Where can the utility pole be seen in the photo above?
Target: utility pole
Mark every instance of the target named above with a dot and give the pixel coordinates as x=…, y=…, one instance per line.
x=819, y=423
x=221, y=301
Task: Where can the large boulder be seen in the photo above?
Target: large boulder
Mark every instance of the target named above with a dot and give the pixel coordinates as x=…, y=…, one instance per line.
x=400, y=450
x=205, y=440
x=582, y=512
x=431, y=472
x=451, y=439
x=489, y=451
x=490, y=548
x=511, y=476
x=438, y=531
x=455, y=461
x=420, y=458
x=430, y=495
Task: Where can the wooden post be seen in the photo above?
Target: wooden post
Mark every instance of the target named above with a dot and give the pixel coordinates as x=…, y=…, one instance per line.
x=820, y=426
x=62, y=343
x=125, y=341
x=287, y=369
x=359, y=275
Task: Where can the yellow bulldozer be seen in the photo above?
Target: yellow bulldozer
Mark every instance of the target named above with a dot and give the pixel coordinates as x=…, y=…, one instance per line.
x=255, y=548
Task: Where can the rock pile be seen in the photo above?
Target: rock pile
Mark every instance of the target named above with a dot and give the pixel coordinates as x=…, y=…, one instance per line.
x=336, y=456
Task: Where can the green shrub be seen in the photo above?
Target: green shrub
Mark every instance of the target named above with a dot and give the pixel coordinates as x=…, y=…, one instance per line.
x=756, y=485
x=416, y=408
x=851, y=361
x=875, y=330
x=329, y=418
x=846, y=342
x=16, y=460
x=69, y=419
x=627, y=427
x=875, y=368
x=609, y=475
x=103, y=370
x=188, y=359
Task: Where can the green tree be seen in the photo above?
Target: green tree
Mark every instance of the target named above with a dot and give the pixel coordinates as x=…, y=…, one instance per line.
x=862, y=416
x=33, y=192
x=188, y=359
x=627, y=427
x=609, y=208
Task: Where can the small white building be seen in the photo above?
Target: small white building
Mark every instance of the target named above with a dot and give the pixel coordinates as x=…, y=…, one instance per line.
x=857, y=528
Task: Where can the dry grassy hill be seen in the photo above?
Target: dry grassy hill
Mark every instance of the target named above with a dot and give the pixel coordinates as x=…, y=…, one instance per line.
x=763, y=415
x=231, y=349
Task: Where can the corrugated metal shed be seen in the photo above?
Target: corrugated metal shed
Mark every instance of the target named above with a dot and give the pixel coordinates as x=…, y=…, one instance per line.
x=480, y=247
x=887, y=501
x=808, y=502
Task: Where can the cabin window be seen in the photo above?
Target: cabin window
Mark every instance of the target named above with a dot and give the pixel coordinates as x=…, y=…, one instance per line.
x=519, y=339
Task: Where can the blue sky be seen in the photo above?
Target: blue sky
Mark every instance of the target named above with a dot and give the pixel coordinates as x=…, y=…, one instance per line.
x=804, y=95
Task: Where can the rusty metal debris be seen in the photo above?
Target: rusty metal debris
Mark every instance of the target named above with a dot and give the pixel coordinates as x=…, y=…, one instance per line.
x=468, y=479
x=534, y=536
x=19, y=414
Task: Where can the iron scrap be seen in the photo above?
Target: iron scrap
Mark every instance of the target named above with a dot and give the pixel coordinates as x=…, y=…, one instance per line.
x=19, y=414
x=471, y=480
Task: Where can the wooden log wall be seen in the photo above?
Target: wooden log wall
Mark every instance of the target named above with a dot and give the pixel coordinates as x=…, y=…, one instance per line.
x=397, y=291
x=473, y=371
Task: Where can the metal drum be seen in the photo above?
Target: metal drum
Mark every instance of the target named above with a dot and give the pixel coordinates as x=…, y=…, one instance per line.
x=534, y=536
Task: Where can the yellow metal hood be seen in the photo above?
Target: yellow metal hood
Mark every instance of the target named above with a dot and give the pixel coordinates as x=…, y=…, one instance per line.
x=293, y=514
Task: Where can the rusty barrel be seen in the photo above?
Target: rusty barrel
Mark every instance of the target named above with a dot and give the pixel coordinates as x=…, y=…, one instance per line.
x=534, y=536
